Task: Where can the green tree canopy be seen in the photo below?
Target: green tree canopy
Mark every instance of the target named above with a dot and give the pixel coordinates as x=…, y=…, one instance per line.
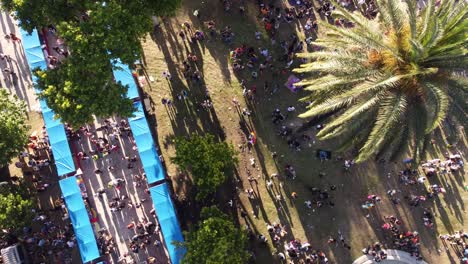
x=96, y=33
x=15, y=210
x=392, y=80
x=207, y=160
x=77, y=90
x=13, y=127
x=216, y=240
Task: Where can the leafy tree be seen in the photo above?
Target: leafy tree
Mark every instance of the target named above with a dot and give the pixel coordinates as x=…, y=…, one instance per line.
x=13, y=127
x=77, y=91
x=32, y=14
x=216, y=240
x=207, y=160
x=15, y=211
x=392, y=80
x=97, y=33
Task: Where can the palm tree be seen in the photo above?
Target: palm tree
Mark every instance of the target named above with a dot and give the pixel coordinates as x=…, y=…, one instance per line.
x=389, y=82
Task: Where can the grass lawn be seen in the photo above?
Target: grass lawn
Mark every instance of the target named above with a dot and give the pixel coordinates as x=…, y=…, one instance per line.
x=164, y=50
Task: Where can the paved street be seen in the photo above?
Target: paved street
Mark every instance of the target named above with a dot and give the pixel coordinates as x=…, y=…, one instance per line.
x=136, y=205
x=20, y=82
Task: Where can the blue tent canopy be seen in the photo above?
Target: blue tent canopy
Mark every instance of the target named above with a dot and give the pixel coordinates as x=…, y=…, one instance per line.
x=75, y=202
x=56, y=131
x=145, y=143
x=33, y=50
x=167, y=218
x=69, y=186
x=80, y=219
x=123, y=74
x=139, y=113
x=147, y=137
x=139, y=126
x=62, y=156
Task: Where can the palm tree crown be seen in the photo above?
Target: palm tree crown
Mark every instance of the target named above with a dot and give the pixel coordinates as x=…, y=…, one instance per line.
x=389, y=82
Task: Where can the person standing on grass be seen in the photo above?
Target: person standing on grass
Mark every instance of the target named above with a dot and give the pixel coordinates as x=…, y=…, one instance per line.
x=167, y=75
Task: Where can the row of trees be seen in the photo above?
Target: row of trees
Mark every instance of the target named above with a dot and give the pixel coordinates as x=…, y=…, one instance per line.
x=96, y=32
x=215, y=239
x=13, y=127
x=15, y=202
x=15, y=207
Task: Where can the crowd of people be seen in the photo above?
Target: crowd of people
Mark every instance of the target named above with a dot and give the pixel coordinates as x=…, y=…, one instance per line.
x=6, y=61
x=109, y=151
x=375, y=250
x=256, y=61
x=49, y=239
x=451, y=164
x=458, y=243
x=251, y=61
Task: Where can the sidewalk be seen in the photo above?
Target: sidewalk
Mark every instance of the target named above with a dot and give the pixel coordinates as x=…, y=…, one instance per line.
x=393, y=257
x=19, y=83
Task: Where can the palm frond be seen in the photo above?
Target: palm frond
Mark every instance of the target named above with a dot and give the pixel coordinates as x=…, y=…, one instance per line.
x=367, y=26
x=331, y=66
x=326, y=107
x=439, y=100
x=400, y=144
x=388, y=118
x=453, y=64
x=346, y=134
x=456, y=16
x=328, y=82
x=352, y=113
x=444, y=8
x=392, y=12
x=418, y=125
x=357, y=37
x=334, y=54
x=433, y=34
x=397, y=76
x=456, y=38
x=412, y=13
x=426, y=21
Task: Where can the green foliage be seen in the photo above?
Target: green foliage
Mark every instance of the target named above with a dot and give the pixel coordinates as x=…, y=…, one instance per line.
x=32, y=14
x=207, y=160
x=96, y=33
x=15, y=210
x=392, y=80
x=216, y=240
x=13, y=127
x=76, y=91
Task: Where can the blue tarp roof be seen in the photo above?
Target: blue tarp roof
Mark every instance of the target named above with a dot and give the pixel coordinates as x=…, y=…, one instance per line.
x=55, y=130
x=79, y=217
x=167, y=218
x=123, y=74
x=146, y=147
x=33, y=50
